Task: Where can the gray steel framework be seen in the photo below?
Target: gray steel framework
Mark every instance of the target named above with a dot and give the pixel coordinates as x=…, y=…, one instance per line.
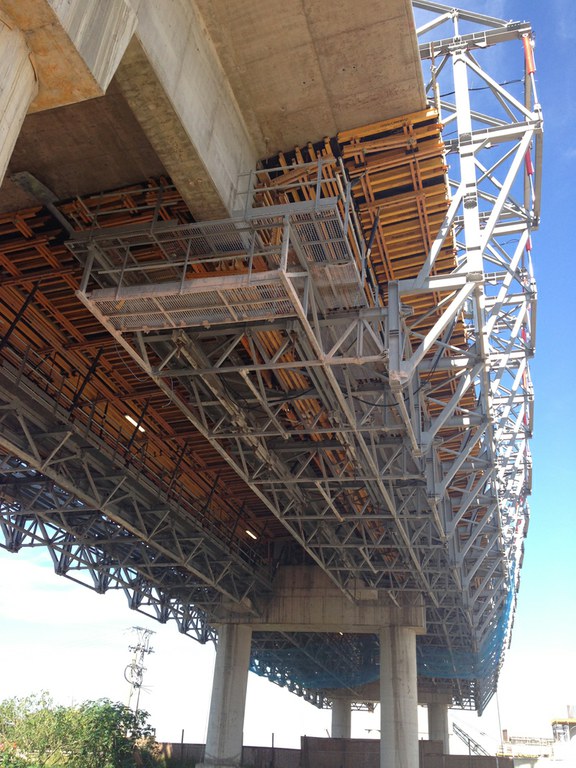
x=107, y=527
x=375, y=471
x=494, y=143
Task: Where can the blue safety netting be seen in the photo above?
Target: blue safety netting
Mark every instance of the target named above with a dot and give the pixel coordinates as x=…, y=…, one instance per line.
x=442, y=662
x=316, y=666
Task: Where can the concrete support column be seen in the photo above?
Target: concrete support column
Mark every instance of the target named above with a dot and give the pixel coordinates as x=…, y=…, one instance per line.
x=438, y=725
x=398, y=698
x=18, y=87
x=341, y=719
x=226, y=720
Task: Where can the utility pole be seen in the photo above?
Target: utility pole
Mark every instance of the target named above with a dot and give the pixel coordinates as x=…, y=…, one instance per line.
x=134, y=672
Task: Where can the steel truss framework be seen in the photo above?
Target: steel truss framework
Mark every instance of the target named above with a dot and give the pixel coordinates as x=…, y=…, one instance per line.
x=265, y=335
x=495, y=166
x=108, y=528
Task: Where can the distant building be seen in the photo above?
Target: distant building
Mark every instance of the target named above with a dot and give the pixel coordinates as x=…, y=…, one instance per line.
x=526, y=746
x=564, y=730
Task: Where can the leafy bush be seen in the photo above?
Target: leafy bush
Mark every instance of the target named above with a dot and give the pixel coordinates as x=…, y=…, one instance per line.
x=36, y=733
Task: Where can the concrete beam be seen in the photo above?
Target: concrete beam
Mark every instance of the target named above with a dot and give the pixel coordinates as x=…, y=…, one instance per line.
x=434, y=696
x=169, y=73
x=18, y=86
x=76, y=45
x=305, y=600
x=168, y=136
x=370, y=692
x=174, y=83
x=216, y=86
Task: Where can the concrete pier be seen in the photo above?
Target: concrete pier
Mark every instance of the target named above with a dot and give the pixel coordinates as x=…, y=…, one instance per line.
x=341, y=719
x=226, y=720
x=398, y=698
x=304, y=600
x=438, y=724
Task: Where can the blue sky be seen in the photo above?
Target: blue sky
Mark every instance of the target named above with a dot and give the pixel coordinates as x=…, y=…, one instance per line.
x=63, y=638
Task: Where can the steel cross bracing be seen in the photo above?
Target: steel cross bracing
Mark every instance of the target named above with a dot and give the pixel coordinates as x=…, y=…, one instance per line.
x=108, y=520
x=494, y=143
x=317, y=664
x=148, y=555
x=388, y=439
x=93, y=546
x=106, y=527
x=355, y=501
x=61, y=487
x=410, y=491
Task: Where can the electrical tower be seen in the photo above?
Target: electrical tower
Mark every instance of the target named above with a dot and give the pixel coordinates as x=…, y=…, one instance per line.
x=134, y=672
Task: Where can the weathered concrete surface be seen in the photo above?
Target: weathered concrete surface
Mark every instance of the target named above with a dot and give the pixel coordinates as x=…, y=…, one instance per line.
x=184, y=147
x=186, y=65
x=186, y=110
x=306, y=600
x=170, y=76
x=18, y=86
x=341, y=719
x=81, y=148
x=305, y=69
x=398, y=698
x=226, y=719
x=76, y=45
x=216, y=84
x=438, y=729
x=164, y=129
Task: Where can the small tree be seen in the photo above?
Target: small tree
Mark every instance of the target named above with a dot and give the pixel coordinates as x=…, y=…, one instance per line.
x=110, y=736
x=36, y=733
x=33, y=730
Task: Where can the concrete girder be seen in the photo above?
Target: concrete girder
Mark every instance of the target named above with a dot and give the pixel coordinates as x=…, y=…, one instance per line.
x=18, y=86
x=305, y=600
x=174, y=82
x=301, y=73
x=208, y=104
x=75, y=46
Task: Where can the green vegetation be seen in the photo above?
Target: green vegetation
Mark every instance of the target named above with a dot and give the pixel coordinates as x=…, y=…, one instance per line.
x=36, y=733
